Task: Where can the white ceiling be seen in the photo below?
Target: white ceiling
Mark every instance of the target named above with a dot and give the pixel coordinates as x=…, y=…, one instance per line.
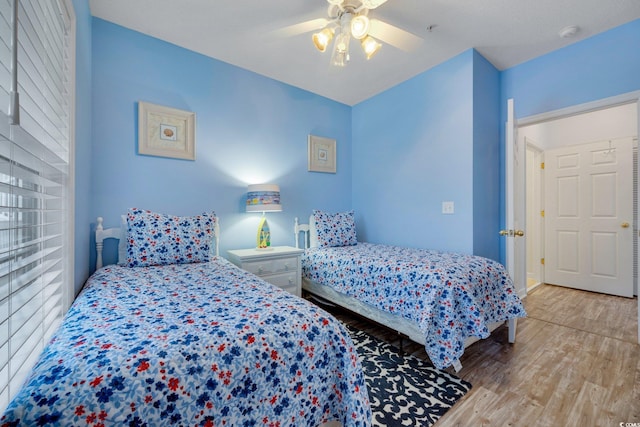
x=506, y=32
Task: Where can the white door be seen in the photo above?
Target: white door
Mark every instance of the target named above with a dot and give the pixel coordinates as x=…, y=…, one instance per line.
x=589, y=212
x=515, y=155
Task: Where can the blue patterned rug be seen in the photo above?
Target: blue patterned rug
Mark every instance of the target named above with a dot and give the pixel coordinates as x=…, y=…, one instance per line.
x=403, y=389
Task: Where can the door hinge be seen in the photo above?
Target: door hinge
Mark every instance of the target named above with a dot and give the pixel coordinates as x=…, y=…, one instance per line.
x=542, y=261
x=542, y=165
x=542, y=213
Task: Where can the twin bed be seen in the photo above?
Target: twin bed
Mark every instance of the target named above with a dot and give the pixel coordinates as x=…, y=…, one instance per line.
x=443, y=300
x=179, y=336
x=176, y=335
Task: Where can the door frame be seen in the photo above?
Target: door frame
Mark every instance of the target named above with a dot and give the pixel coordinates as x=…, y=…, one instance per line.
x=625, y=98
x=535, y=227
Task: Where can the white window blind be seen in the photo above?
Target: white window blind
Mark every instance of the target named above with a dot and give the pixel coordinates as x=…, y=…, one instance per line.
x=36, y=198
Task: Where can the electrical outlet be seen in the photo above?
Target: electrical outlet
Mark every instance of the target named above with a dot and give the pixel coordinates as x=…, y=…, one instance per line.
x=447, y=208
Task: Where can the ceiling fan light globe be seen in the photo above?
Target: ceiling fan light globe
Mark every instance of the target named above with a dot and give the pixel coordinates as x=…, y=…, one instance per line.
x=370, y=46
x=322, y=39
x=359, y=27
x=339, y=59
x=340, y=55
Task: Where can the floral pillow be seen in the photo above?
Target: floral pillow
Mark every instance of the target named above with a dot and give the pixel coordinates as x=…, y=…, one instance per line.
x=337, y=229
x=158, y=239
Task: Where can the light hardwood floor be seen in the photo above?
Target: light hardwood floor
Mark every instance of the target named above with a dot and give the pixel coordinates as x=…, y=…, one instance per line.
x=576, y=362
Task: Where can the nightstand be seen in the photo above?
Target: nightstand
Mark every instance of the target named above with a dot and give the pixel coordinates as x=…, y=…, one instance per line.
x=279, y=265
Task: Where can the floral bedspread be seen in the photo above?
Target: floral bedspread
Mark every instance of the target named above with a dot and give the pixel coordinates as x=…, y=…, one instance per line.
x=194, y=344
x=449, y=296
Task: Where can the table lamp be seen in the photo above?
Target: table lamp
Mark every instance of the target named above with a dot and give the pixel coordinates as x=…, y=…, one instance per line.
x=263, y=198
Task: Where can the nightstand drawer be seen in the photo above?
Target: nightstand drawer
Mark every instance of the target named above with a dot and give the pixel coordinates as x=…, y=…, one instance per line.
x=279, y=265
x=286, y=281
x=273, y=266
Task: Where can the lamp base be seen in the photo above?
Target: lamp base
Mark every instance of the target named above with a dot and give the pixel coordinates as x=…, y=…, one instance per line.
x=263, y=240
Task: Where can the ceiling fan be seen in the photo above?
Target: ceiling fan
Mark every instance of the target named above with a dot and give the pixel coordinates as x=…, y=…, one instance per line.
x=349, y=19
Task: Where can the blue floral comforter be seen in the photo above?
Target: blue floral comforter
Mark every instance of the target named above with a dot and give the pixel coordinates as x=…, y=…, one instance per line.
x=194, y=344
x=449, y=296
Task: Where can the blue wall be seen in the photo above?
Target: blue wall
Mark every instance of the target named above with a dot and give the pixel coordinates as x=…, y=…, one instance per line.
x=601, y=66
x=249, y=130
x=82, y=143
x=431, y=139
x=411, y=151
x=486, y=158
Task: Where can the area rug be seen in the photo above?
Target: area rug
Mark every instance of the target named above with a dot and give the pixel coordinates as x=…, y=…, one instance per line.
x=403, y=389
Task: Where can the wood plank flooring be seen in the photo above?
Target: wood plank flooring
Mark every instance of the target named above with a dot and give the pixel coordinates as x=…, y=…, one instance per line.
x=576, y=362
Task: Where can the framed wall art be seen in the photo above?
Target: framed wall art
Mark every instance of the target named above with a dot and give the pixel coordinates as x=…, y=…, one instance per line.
x=166, y=132
x=322, y=154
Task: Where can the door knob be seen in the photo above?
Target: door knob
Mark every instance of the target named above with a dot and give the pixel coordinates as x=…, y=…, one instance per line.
x=625, y=225
x=519, y=233
x=504, y=232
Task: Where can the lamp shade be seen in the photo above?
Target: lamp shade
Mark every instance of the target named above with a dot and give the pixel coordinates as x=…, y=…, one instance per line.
x=263, y=198
x=322, y=39
x=370, y=46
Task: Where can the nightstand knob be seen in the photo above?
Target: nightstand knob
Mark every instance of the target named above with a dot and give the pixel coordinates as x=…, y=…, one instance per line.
x=260, y=270
x=286, y=267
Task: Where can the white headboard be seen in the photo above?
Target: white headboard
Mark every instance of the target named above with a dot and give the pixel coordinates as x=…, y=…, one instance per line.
x=301, y=228
x=101, y=235
x=309, y=232
x=116, y=233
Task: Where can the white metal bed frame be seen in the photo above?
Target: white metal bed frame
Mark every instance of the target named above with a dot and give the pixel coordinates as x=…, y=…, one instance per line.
x=115, y=232
x=402, y=326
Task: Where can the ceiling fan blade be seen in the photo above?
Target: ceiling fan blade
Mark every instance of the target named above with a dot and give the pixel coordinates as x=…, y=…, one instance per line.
x=394, y=36
x=372, y=4
x=301, y=28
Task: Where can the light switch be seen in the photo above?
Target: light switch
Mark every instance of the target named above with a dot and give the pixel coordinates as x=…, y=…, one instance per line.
x=447, y=208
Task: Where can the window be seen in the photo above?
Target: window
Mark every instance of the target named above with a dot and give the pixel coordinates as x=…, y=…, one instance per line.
x=36, y=183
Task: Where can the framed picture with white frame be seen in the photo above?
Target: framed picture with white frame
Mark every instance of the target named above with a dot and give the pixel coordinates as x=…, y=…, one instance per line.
x=166, y=132
x=322, y=154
